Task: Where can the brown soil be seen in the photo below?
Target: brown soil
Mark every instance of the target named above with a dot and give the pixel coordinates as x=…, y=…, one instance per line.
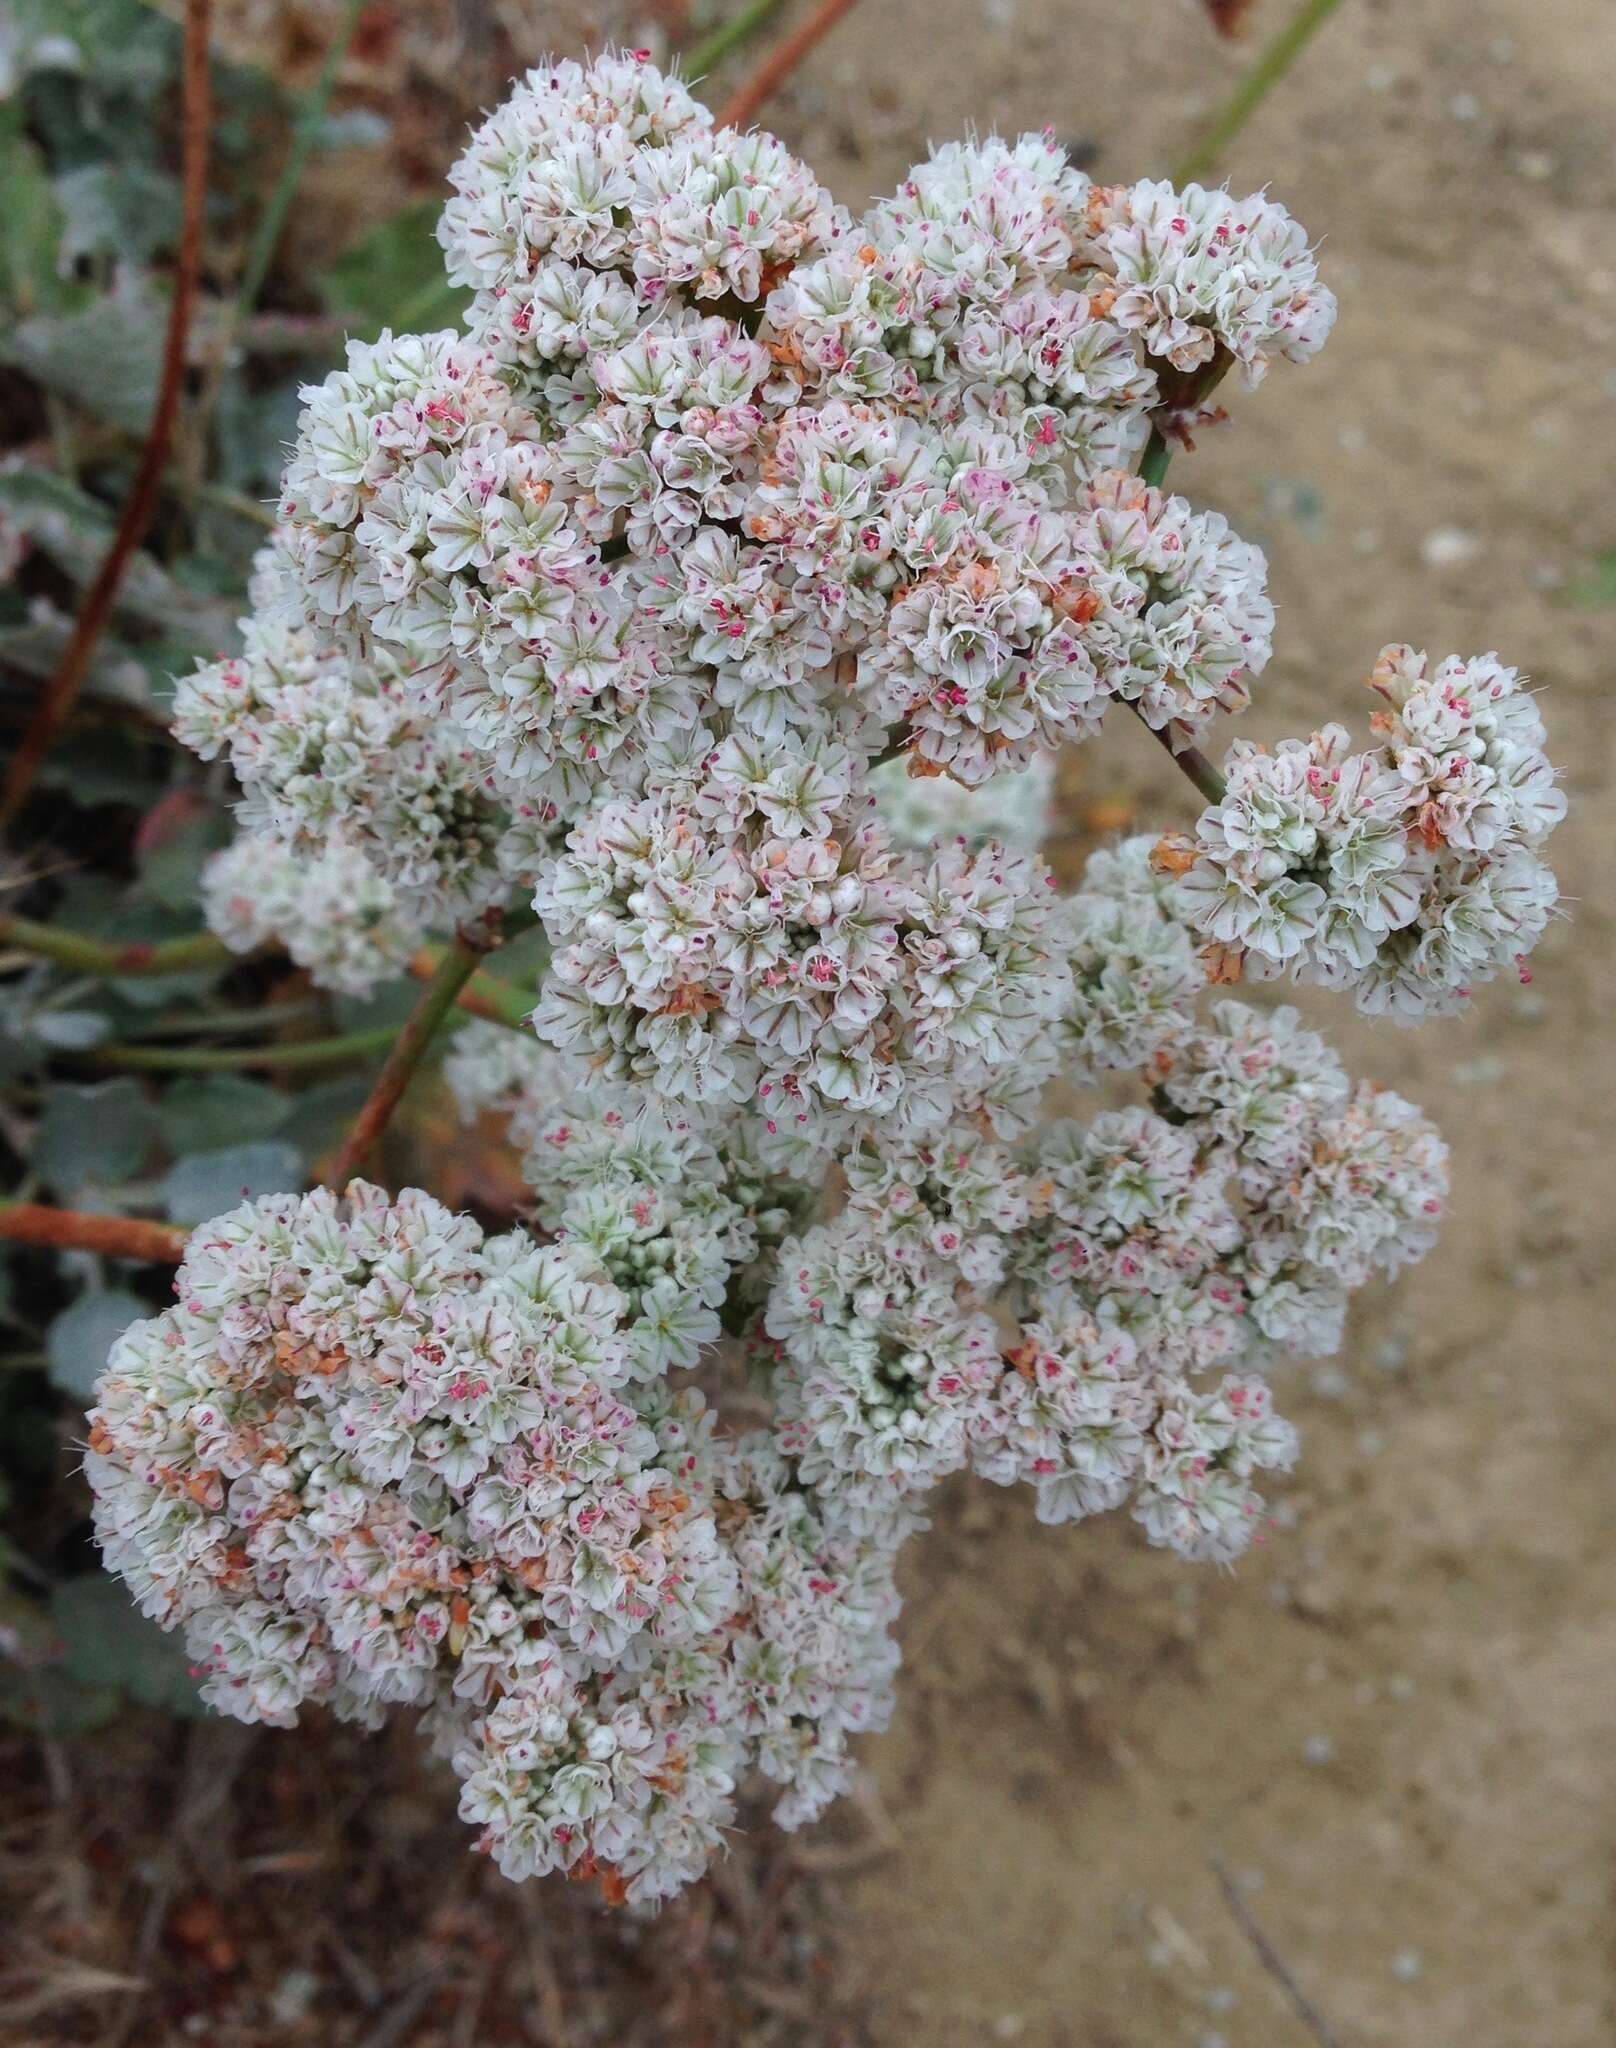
x=1393, y=1726
x=1384, y=1741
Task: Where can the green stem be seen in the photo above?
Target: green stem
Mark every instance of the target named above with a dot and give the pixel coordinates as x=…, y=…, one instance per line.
x=1193, y=763
x=310, y=116
x=95, y=956
x=438, y=998
x=192, y=1059
x=484, y=994
x=711, y=52
x=237, y=502
x=229, y=1023
x=1153, y=463
x=1272, y=63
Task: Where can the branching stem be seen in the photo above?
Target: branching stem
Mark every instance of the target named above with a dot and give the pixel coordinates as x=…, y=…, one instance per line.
x=778, y=65
x=62, y=687
x=438, y=998
x=118, y=1237
x=1272, y=62
x=196, y=1059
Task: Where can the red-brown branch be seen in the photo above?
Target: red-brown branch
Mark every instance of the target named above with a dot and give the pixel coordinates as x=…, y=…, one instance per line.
x=437, y=999
x=61, y=690
x=120, y=1237
x=779, y=64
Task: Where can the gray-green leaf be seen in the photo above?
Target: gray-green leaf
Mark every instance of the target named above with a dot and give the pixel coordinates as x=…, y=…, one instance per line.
x=209, y=1183
x=101, y=1133
x=215, y=1110
x=111, y=1643
x=82, y=1336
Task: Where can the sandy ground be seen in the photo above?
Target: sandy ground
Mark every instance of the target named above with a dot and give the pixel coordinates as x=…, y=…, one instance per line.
x=1392, y=1728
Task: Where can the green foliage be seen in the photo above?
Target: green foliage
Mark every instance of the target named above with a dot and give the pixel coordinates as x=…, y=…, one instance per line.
x=102, y=356
x=393, y=277
x=203, y=1113
x=205, y=1184
x=1598, y=587
x=99, y=1135
x=81, y=1337
x=89, y=157
x=112, y=1646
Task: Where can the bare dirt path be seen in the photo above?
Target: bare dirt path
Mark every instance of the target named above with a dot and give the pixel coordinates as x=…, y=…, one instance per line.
x=1395, y=1723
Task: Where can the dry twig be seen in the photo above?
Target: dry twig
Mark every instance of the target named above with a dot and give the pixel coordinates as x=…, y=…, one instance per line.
x=1269, y=1956
x=779, y=64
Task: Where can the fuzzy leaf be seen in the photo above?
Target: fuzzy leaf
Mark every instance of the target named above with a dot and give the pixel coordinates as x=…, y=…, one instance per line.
x=110, y=1643
x=81, y=1337
x=212, y=1111
x=98, y=1134
x=102, y=356
x=209, y=1183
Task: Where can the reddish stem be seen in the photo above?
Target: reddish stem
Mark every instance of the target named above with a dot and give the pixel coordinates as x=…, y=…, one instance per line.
x=779, y=64
x=437, y=999
x=120, y=1237
x=61, y=690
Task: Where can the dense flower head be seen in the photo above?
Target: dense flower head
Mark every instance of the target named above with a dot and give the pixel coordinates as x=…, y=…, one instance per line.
x=372, y=1459
x=708, y=448
x=1133, y=962
x=333, y=751
x=816, y=975
x=1408, y=873
x=1199, y=271
x=335, y=915
x=725, y=586
x=1179, y=617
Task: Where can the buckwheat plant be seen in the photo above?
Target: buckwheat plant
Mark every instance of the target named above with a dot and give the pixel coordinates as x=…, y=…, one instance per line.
x=724, y=586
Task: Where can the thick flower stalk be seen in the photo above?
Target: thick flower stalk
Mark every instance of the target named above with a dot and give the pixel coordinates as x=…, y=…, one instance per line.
x=724, y=586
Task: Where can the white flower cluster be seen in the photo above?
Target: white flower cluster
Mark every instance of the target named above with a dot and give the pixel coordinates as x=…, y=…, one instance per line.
x=1135, y=971
x=795, y=962
x=1407, y=874
x=364, y=823
x=726, y=585
x=1200, y=272
x=373, y=1459
x=1143, y=1250
x=712, y=451
x=331, y=910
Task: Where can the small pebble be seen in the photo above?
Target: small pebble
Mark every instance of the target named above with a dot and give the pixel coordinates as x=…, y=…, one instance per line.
x=292, y=1996
x=1448, y=547
x=1318, y=1749
x=1407, y=1965
x=1464, y=106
